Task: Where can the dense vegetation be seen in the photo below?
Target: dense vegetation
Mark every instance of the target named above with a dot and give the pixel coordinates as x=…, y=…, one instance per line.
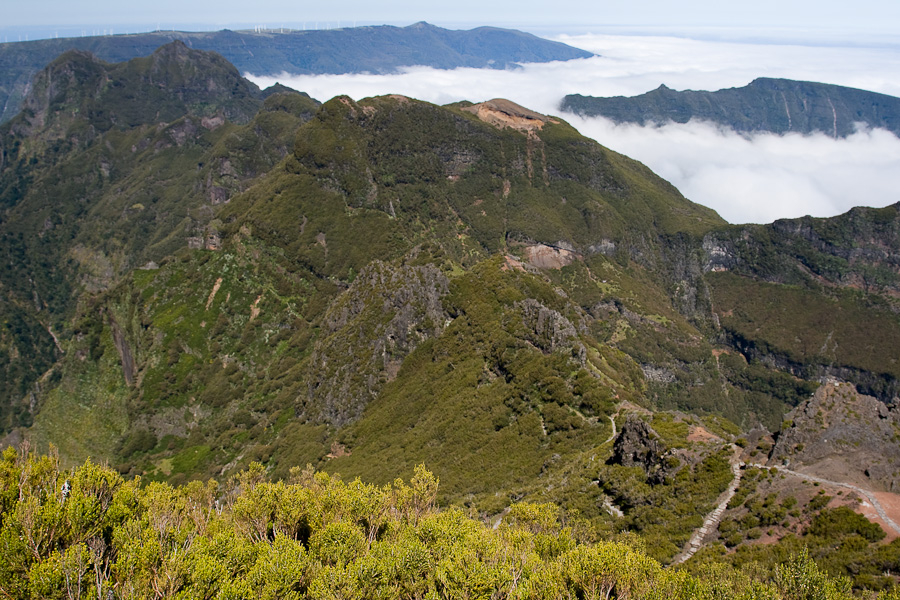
x=86, y=533
x=128, y=198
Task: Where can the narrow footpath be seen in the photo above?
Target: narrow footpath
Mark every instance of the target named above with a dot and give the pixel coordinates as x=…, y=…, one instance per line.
x=712, y=519
x=612, y=436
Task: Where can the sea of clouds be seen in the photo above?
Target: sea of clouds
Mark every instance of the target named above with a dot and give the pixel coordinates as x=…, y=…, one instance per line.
x=756, y=178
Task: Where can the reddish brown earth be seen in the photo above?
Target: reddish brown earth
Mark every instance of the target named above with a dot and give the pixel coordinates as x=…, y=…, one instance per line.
x=700, y=434
x=891, y=505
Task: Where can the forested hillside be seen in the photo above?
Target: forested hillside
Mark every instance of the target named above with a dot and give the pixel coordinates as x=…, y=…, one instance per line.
x=198, y=276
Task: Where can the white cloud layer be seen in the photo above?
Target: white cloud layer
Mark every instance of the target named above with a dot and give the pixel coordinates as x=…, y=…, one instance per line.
x=764, y=177
x=746, y=179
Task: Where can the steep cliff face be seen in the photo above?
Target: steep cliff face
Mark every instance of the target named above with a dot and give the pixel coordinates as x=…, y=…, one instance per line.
x=58, y=92
x=813, y=297
x=859, y=250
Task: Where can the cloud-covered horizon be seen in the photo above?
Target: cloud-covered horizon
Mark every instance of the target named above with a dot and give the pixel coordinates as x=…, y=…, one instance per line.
x=763, y=177
x=756, y=178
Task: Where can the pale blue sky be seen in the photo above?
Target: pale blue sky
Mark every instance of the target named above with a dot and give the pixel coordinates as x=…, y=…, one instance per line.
x=797, y=15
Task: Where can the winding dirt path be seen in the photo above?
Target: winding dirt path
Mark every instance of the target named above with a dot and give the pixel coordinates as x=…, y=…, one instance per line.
x=870, y=496
x=612, y=436
x=712, y=519
x=593, y=421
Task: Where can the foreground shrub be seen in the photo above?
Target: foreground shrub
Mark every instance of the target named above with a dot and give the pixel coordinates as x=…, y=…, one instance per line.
x=87, y=533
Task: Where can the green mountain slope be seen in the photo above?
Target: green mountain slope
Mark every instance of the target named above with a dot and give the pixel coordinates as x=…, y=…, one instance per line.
x=272, y=52
x=796, y=289
x=275, y=341
x=366, y=286
x=774, y=105
x=114, y=166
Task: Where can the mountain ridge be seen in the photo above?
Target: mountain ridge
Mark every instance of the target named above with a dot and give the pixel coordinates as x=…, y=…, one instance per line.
x=765, y=105
x=375, y=49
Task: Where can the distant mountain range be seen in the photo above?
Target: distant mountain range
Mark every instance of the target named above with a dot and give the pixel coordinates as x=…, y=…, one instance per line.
x=377, y=49
x=774, y=105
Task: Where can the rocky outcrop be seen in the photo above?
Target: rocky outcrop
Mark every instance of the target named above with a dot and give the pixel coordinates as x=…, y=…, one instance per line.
x=637, y=445
x=503, y=113
x=720, y=254
x=843, y=435
x=379, y=320
x=658, y=374
x=550, y=331
x=543, y=256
